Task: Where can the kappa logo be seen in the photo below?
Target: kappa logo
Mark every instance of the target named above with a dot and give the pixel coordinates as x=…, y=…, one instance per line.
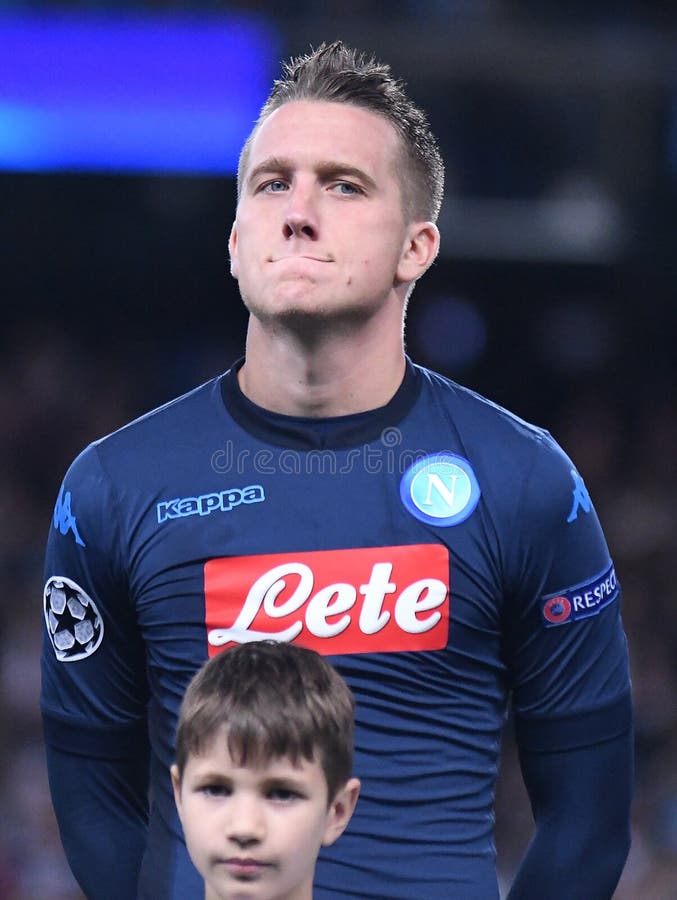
x=204, y=504
x=64, y=519
x=581, y=497
x=440, y=489
x=366, y=600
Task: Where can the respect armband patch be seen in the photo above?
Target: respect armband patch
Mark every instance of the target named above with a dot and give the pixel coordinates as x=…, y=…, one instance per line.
x=582, y=601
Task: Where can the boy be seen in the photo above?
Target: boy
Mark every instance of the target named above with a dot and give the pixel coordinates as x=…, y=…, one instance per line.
x=262, y=774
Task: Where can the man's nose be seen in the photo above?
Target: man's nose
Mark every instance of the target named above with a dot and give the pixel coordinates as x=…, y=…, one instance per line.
x=301, y=215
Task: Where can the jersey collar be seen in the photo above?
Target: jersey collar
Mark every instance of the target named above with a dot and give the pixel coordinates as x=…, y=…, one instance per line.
x=304, y=433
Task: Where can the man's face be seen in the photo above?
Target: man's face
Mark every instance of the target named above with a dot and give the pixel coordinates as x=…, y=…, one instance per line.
x=254, y=833
x=320, y=227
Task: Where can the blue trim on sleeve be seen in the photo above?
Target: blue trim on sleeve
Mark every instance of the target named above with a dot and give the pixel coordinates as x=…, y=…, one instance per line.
x=581, y=729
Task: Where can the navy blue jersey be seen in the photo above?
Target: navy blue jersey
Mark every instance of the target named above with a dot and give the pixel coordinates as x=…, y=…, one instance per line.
x=443, y=553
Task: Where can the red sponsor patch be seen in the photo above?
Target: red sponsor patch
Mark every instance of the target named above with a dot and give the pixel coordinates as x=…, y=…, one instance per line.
x=367, y=600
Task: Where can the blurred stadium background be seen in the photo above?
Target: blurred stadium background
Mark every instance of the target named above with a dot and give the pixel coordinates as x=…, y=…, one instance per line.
x=554, y=294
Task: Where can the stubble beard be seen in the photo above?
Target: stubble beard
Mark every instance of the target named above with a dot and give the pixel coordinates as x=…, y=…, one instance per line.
x=310, y=320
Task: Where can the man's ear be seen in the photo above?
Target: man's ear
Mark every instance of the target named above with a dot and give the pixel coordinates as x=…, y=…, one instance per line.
x=232, y=250
x=422, y=243
x=340, y=810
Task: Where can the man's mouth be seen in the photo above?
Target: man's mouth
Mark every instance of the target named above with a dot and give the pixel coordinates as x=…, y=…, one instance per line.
x=321, y=259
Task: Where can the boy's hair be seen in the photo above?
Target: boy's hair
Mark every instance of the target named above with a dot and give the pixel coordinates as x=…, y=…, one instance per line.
x=270, y=699
x=338, y=74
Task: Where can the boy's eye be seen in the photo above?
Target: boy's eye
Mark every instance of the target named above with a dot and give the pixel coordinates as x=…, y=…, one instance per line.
x=282, y=794
x=215, y=790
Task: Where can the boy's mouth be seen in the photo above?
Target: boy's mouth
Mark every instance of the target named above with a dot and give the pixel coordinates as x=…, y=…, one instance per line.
x=243, y=867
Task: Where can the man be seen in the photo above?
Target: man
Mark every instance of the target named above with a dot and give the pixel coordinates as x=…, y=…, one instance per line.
x=326, y=491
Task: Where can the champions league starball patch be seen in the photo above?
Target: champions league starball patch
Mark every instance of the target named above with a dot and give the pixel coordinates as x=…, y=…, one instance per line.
x=74, y=624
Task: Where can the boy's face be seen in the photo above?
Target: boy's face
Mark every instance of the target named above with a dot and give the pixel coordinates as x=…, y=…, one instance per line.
x=254, y=833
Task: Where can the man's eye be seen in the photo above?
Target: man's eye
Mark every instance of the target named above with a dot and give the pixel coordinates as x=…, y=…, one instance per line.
x=346, y=189
x=274, y=187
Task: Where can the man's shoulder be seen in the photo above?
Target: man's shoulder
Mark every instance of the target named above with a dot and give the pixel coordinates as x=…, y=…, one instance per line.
x=472, y=411
x=163, y=435
x=183, y=412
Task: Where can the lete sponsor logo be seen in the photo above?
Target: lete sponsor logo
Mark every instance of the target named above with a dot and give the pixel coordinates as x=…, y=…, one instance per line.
x=366, y=600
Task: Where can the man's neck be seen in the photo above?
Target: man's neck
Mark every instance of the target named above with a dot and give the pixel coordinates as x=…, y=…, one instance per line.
x=333, y=376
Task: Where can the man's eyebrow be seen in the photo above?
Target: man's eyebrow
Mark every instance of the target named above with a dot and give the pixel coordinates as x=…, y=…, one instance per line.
x=337, y=169
x=276, y=164
x=326, y=170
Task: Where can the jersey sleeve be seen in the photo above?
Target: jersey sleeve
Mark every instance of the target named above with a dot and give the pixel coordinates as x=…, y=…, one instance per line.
x=576, y=795
x=565, y=645
x=94, y=694
x=93, y=668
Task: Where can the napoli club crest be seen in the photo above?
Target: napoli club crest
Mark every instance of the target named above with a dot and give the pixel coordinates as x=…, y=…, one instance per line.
x=440, y=489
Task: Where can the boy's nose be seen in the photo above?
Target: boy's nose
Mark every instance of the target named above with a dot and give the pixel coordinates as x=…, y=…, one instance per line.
x=246, y=822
